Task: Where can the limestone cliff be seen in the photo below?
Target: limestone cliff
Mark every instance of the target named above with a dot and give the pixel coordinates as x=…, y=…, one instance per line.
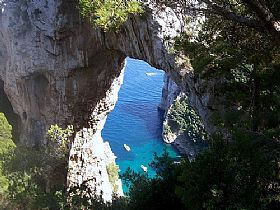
x=183, y=128
x=57, y=68
x=90, y=156
x=170, y=91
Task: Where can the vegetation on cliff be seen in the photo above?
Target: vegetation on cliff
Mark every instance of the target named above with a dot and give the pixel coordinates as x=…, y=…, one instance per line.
x=6, y=147
x=236, y=55
x=32, y=179
x=239, y=64
x=109, y=14
x=183, y=118
x=113, y=173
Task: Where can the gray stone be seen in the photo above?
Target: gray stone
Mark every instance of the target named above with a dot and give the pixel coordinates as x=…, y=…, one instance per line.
x=58, y=69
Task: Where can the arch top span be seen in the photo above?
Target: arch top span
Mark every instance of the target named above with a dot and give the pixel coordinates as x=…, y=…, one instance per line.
x=149, y=38
x=76, y=61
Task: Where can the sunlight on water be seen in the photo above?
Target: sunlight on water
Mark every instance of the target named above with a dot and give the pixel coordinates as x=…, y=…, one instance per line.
x=136, y=120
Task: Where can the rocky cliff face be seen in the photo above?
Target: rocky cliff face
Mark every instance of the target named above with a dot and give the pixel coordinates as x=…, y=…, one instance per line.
x=56, y=68
x=90, y=156
x=169, y=93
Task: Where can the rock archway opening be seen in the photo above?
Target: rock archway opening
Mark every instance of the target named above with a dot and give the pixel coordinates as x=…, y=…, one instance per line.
x=136, y=120
x=7, y=109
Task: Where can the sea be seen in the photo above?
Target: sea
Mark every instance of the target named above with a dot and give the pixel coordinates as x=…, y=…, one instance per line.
x=136, y=120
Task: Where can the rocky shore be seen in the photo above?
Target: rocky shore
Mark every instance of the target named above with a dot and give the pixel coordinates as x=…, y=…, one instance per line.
x=180, y=140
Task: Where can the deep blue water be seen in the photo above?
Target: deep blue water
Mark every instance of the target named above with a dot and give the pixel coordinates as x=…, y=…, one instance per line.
x=136, y=121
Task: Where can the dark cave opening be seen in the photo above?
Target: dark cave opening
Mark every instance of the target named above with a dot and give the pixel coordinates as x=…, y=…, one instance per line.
x=7, y=109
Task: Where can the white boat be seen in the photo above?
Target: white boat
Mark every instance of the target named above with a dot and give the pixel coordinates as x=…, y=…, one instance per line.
x=151, y=74
x=126, y=147
x=145, y=169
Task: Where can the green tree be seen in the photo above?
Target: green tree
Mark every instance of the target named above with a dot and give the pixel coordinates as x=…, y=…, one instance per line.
x=5, y=129
x=240, y=65
x=35, y=178
x=240, y=175
x=59, y=141
x=154, y=193
x=262, y=16
x=7, y=147
x=109, y=14
x=184, y=118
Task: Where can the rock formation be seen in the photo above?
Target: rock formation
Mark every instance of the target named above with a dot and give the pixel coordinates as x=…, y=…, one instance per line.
x=57, y=68
x=170, y=91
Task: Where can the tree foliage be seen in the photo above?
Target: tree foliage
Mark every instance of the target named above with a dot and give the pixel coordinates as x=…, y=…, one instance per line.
x=5, y=129
x=35, y=178
x=262, y=16
x=7, y=147
x=184, y=118
x=59, y=140
x=109, y=14
x=241, y=175
x=241, y=66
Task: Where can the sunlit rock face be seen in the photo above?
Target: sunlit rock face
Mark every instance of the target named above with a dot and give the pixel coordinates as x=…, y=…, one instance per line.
x=50, y=65
x=170, y=91
x=57, y=68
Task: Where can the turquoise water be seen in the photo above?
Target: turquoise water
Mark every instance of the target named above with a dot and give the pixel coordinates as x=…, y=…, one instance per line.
x=136, y=120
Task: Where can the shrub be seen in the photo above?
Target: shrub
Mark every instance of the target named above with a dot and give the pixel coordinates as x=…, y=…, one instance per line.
x=109, y=14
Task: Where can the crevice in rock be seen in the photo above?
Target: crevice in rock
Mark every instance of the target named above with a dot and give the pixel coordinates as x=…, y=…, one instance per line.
x=7, y=109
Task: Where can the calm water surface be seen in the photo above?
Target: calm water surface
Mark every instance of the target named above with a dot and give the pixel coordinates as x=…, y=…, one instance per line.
x=136, y=121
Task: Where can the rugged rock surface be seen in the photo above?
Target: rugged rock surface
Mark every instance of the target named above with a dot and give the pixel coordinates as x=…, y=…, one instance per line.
x=90, y=156
x=53, y=64
x=170, y=91
x=56, y=68
x=187, y=132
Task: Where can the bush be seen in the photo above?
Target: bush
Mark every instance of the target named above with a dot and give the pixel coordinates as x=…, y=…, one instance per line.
x=7, y=147
x=113, y=173
x=240, y=175
x=109, y=14
x=184, y=118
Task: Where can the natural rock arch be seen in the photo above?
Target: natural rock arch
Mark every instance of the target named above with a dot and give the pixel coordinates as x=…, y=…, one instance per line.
x=78, y=61
x=57, y=68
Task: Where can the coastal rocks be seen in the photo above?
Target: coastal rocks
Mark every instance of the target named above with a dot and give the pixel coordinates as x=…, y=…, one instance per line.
x=88, y=162
x=170, y=91
x=168, y=137
x=183, y=128
x=90, y=156
x=58, y=69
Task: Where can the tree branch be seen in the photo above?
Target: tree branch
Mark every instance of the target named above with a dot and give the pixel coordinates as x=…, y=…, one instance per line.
x=265, y=15
x=214, y=8
x=265, y=22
